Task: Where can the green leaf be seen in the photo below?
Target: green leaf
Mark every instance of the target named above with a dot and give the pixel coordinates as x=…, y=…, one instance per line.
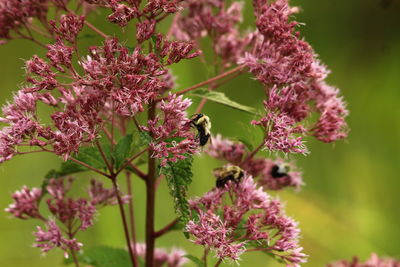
x=144, y=138
x=179, y=177
x=221, y=98
x=122, y=150
x=92, y=157
x=196, y=260
x=103, y=256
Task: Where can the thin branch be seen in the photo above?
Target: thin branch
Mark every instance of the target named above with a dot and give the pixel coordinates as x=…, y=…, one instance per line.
x=110, y=169
x=252, y=154
x=91, y=26
x=216, y=78
x=166, y=229
x=138, y=172
x=150, y=198
x=218, y=263
x=124, y=221
x=76, y=262
x=132, y=216
x=129, y=161
x=89, y=167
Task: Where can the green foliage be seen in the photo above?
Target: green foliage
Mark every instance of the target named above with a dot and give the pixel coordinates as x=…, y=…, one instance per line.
x=197, y=261
x=103, y=256
x=179, y=177
x=122, y=150
x=144, y=138
x=221, y=98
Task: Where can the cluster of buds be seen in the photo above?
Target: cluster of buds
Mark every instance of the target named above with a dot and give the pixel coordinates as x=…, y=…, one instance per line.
x=68, y=215
x=373, y=261
x=239, y=218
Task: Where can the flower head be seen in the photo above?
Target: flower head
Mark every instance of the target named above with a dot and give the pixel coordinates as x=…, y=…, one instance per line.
x=26, y=203
x=272, y=174
x=174, y=258
x=252, y=220
x=53, y=238
x=373, y=261
x=172, y=134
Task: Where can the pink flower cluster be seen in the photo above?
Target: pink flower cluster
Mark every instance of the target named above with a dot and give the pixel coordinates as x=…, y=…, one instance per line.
x=174, y=258
x=249, y=220
x=217, y=20
x=75, y=214
x=261, y=168
x=172, y=135
x=54, y=238
x=16, y=14
x=373, y=261
x=294, y=79
x=26, y=203
x=113, y=79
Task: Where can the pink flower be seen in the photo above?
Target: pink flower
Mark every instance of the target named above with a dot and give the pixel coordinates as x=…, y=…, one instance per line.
x=174, y=258
x=173, y=136
x=145, y=29
x=252, y=215
x=69, y=211
x=226, y=149
x=122, y=13
x=59, y=55
x=270, y=174
x=175, y=51
x=15, y=13
x=69, y=27
x=26, y=203
x=53, y=238
x=373, y=261
x=103, y=196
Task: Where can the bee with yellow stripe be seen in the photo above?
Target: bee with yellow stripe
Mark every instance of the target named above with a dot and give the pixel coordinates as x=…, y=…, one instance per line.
x=202, y=124
x=228, y=173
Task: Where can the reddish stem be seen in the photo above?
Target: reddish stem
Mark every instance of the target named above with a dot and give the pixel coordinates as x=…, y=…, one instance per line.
x=124, y=221
x=252, y=154
x=132, y=216
x=166, y=229
x=150, y=199
x=216, y=78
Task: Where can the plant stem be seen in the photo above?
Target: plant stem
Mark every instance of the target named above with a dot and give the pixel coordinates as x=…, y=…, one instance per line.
x=252, y=154
x=166, y=229
x=129, y=161
x=206, y=250
x=132, y=216
x=89, y=167
x=124, y=221
x=110, y=169
x=76, y=262
x=91, y=26
x=218, y=263
x=216, y=78
x=150, y=199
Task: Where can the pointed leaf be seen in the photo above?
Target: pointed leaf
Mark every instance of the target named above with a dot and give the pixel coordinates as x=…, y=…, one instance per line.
x=103, y=256
x=122, y=150
x=179, y=177
x=221, y=98
x=197, y=261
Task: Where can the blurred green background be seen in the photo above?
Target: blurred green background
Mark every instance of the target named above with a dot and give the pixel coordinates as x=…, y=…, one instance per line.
x=350, y=204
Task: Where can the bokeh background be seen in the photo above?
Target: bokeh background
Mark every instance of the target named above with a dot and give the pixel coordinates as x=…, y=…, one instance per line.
x=350, y=204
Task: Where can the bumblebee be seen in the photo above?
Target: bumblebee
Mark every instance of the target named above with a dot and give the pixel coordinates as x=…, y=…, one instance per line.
x=226, y=174
x=280, y=170
x=202, y=124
